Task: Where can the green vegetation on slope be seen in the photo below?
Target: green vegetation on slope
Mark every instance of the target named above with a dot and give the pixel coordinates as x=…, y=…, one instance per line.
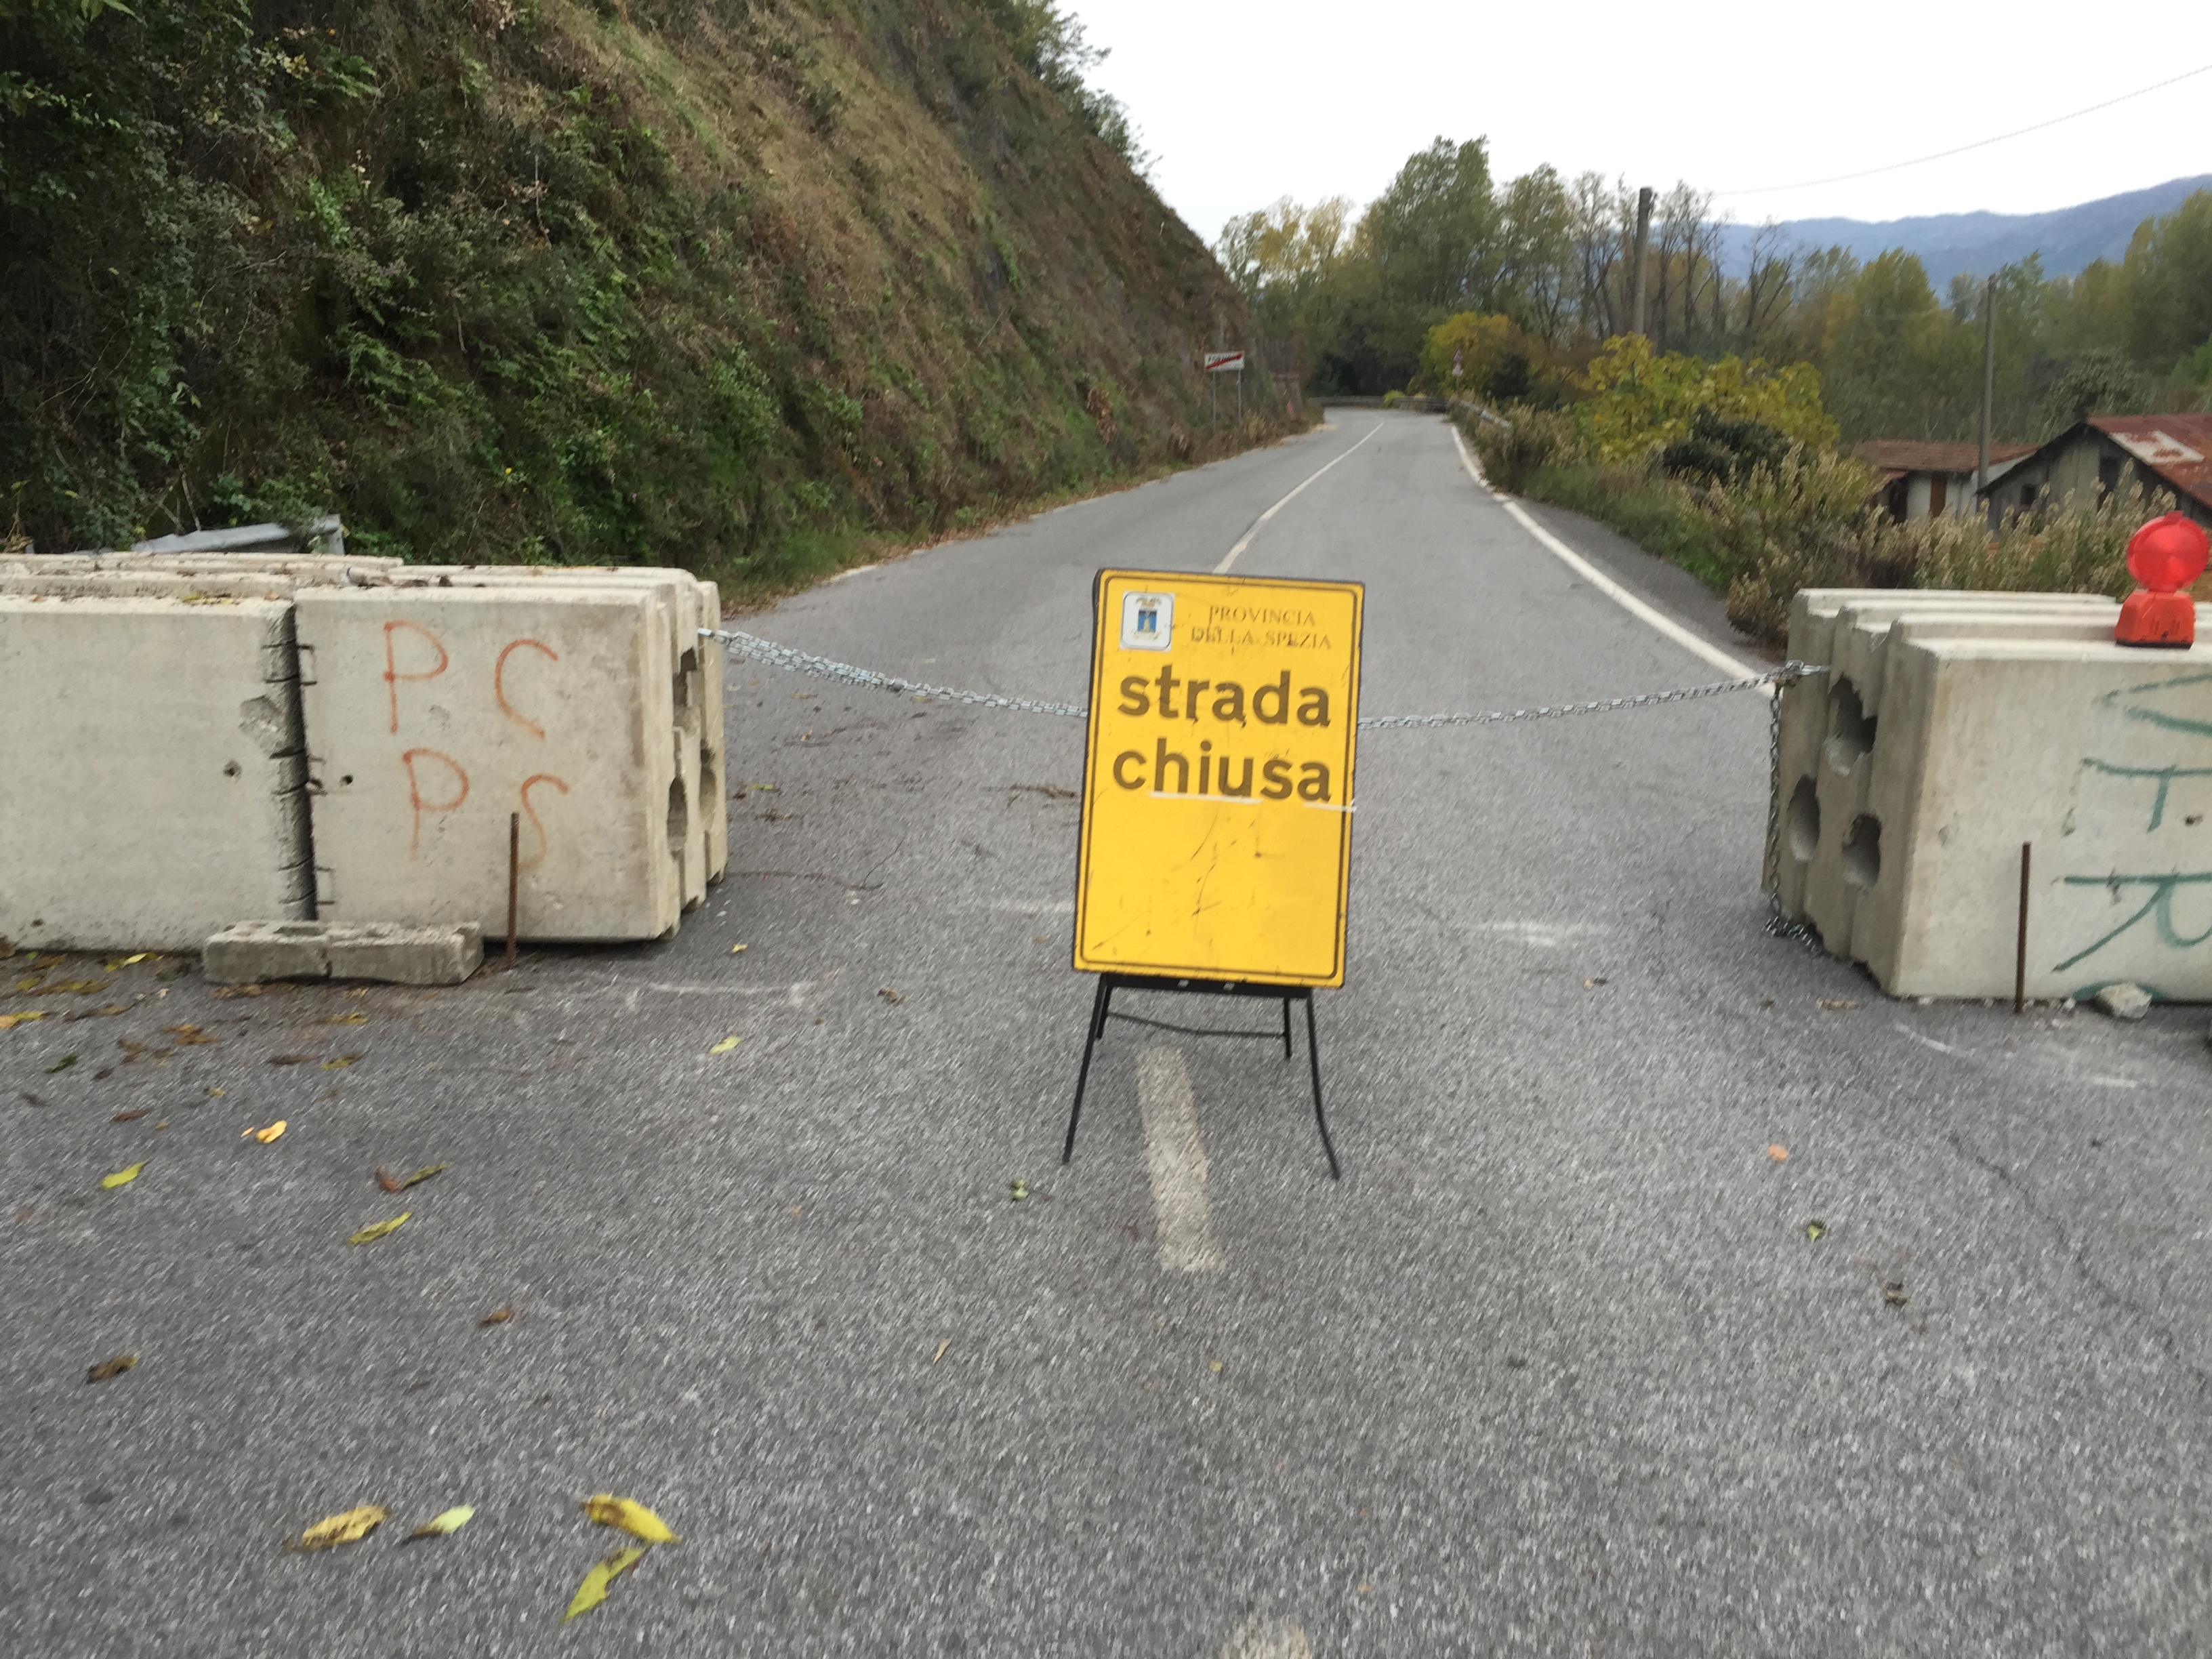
x=722, y=283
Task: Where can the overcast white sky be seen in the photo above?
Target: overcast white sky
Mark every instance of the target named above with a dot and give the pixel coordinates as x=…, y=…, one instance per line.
x=1242, y=102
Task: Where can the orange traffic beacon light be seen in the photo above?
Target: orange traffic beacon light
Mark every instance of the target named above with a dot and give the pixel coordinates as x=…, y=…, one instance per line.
x=2165, y=555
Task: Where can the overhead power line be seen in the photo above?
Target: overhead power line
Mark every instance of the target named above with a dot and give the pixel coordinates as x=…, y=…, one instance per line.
x=1980, y=143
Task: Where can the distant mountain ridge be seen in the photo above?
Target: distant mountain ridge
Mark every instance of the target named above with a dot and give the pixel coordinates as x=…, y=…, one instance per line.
x=1978, y=243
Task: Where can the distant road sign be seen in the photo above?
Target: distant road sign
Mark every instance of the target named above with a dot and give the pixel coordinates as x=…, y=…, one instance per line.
x=1217, y=798
x=1225, y=362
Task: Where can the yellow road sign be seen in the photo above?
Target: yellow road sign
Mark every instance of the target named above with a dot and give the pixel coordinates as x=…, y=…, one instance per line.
x=1217, y=799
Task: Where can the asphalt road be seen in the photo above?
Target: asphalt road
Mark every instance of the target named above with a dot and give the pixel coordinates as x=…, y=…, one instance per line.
x=1554, y=1370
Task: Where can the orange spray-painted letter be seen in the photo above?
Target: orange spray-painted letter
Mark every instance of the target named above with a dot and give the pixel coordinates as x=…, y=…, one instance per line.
x=544, y=841
x=499, y=685
x=415, y=794
x=392, y=674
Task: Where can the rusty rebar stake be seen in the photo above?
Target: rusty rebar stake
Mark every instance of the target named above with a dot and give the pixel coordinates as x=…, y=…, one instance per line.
x=514, y=877
x=2020, y=948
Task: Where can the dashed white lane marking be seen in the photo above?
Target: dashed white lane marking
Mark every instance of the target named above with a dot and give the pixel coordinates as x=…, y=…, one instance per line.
x=1266, y=1638
x=1175, y=1158
x=1230, y=558
x=1605, y=584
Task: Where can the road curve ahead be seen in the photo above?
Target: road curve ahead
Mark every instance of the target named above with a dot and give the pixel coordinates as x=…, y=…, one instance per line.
x=1556, y=1368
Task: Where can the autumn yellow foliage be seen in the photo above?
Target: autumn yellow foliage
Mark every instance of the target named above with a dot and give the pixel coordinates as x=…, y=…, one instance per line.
x=1641, y=401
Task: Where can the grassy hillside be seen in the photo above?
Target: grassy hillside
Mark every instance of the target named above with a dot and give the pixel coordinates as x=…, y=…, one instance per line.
x=720, y=283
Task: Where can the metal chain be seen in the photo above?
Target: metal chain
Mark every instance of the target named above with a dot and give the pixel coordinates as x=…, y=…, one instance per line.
x=1779, y=925
x=801, y=662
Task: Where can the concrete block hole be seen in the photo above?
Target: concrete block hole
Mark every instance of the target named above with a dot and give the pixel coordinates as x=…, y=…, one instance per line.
x=1863, y=851
x=1850, y=732
x=1804, y=821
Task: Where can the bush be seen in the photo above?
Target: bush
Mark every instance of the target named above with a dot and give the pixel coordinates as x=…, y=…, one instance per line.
x=1644, y=402
x=1512, y=446
x=1720, y=451
x=2079, y=546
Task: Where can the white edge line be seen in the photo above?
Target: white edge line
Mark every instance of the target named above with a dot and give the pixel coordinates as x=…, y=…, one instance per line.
x=1605, y=584
x=1230, y=558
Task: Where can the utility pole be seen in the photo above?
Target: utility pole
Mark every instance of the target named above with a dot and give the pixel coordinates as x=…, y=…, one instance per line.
x=1989, y=377
x=1643, y=200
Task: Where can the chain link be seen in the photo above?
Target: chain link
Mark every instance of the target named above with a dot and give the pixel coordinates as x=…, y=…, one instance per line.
x=1779, y=925
x=800, y=662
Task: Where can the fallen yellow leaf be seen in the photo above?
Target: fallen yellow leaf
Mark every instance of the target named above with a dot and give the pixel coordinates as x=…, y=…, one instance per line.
x=121, y=1177
x=7, y=1020
x=342, y=1060
x=420, y=1176
x=370, y=1235
x=438, y=1526
x=347, y=1529
x=111, y=1368
x=345, y=1020
x=736, y=949
x=632, y=1516
x=725, y=1045
x=265, y=1136
x=593, y=1589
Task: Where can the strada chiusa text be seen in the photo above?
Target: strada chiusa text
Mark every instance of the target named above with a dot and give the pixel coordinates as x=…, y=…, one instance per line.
x=1271, y=704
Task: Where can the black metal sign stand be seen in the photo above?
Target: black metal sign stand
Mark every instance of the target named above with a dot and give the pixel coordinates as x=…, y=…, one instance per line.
x=1102, y=1006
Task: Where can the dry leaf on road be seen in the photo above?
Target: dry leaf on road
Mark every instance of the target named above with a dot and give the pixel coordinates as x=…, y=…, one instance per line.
x=632, y=1516
x=725, y=1045
x=347, y=1529
x=1836, y=1005
x=345, y=1019
x=292, y=1060
x=421, y=1176
x=438, y=1525
x=387, y=1181
x=593, y=1589
x=496, y=1317
x=370, y=1235
x=341, y=1061
x=189, y=1037
x=265, y=1136
x=107, y=1368
x=121, y=1177
x=7, y=1020
x=1778, y=1152
x=130, y=1117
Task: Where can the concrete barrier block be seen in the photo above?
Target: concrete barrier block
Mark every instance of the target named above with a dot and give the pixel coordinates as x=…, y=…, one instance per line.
x=406, y=956
x=153, y=770
x=713, y=760
x=1826, y=722
x=256, y=952
x=1995, y=729
x=682, y=607
x=434, y=713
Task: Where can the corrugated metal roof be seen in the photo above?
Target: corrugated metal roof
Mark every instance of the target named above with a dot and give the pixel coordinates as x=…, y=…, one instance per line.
x=2178, y=447
x=1912, y=455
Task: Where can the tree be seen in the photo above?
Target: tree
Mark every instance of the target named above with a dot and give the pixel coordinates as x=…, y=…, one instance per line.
x=1477, y=355
x=1644, y=401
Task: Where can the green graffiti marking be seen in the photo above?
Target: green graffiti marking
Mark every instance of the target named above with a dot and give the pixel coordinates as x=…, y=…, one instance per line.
x=2165, y=774
x=2155, y=717
x=2159, y=904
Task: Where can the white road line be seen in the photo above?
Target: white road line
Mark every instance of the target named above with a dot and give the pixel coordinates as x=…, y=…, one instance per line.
x=1230, y=558
x=1605, y=584
x=1174, y=1158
